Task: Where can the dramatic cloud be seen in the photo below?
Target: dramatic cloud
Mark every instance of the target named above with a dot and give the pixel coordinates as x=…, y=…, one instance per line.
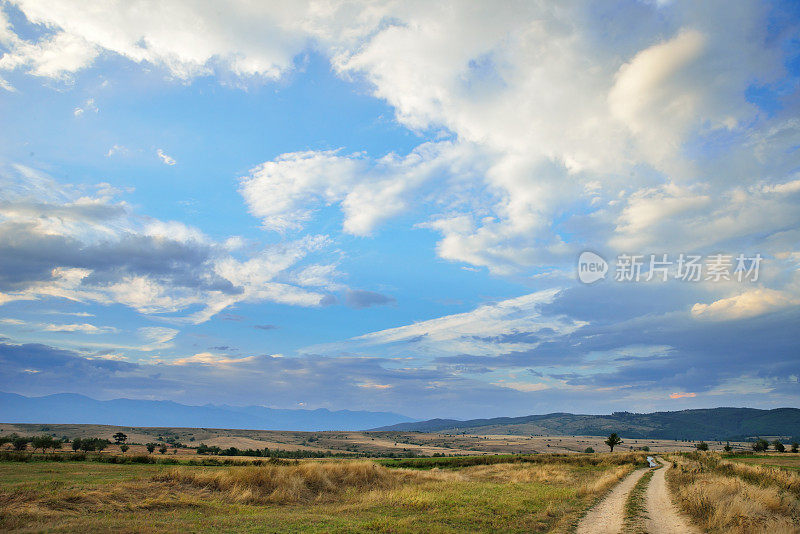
x=534, y=133
x=57, y=242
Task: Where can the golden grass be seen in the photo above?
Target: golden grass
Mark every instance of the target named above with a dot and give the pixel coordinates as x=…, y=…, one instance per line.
x=720, y=501
x=300, y=483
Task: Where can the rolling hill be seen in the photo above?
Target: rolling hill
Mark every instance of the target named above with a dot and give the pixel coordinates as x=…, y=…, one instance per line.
x=709, y=424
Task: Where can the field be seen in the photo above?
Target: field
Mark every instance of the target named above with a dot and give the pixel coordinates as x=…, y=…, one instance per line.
x=364, y=443
x=734, y=495
x=548, y=493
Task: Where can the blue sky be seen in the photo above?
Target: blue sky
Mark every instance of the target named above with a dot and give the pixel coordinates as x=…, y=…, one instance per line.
x=381, y=206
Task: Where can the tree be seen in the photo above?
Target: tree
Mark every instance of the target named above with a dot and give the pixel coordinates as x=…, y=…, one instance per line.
x=702, y=446
x=778, y=445
x=120, y=438
x=124, y=448
x=162, y=449
x=727, y=447
x=20, y=443
x=56, y=444
x=613, y=440
x=760, y=445
x=151, y=447
x=588, y=450
x=76, y=444
x=795, y=446
x=42, y=442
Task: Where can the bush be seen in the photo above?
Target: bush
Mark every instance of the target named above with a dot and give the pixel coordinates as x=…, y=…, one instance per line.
x=702, y=446
x=588, y=450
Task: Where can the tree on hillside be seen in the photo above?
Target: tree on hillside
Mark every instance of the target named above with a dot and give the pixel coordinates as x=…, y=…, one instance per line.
x=778, y=445
x=588, y=450
x=162, y=449
x=20, y=443
x=613, y=440
x=120, y=438
x=727, y=447
x=124, y=448
x=702, y=446
x=76, y=444
x=795, y=446
x=151, y=447
x=760, y=445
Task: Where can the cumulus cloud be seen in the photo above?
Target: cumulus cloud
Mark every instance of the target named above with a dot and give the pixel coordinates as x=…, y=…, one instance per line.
x=285, y=192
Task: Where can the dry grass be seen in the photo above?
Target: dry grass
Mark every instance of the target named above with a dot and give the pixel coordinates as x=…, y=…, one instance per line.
x=300, y=483
x=720, y=501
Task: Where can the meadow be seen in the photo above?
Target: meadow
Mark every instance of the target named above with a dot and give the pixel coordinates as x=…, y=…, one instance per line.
x=547, y=494
x=738, y=493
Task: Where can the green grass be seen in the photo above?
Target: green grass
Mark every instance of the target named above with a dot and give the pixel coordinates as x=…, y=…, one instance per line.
x=635, y=505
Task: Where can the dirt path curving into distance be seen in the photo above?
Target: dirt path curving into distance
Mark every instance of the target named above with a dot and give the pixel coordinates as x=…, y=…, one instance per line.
x=663, y=516
x=607, y=516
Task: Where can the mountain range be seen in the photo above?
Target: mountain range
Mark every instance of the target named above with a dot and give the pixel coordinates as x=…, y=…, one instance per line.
x=716, y=424
x=78, y=409
x=708, y=424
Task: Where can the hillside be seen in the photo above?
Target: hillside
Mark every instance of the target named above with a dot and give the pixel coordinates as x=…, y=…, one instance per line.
x=709, y=424
x=78, y=409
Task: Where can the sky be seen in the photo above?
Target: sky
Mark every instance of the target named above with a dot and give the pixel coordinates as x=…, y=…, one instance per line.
x=383, y=205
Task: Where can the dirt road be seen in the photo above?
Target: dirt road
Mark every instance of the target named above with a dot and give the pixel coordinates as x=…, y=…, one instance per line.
x=663, y=516
x=607, y=516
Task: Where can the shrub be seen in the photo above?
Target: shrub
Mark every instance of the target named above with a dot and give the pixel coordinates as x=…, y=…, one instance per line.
x=702, y=446
x=588, y=450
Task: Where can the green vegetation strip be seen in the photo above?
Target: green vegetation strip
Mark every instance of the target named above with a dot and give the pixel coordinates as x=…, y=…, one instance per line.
x=468, y=461
x=25, y=457
x=635, y=506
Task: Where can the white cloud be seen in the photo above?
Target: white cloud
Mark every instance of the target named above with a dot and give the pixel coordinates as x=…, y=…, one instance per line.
x=89, y=105
x=489, y=330
x=84, y=328
x=286, y=191
x=165, y=158
x=747, y=304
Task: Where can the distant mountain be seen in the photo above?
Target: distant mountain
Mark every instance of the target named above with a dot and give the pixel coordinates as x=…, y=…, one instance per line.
x=73, y=408
x=709, y=424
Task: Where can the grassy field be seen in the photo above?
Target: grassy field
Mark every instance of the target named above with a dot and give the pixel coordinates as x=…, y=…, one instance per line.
x=549, y=494
x=734, y=495
x=782, y=460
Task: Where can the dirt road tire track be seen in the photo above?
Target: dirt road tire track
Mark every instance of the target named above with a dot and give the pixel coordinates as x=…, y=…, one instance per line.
x=607, y=516
x=663, y=517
